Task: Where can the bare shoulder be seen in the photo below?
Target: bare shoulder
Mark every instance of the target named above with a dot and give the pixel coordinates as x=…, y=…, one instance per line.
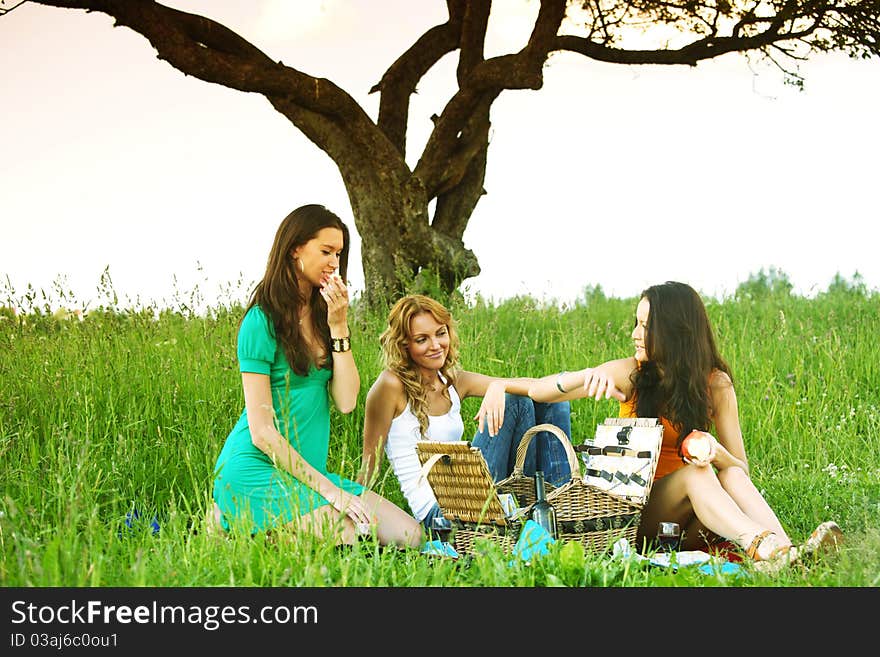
x=387, y=383
x=623, y=366
x=387, y=389
x=719, y=380
x=467, y=384
x=621, y=370
x=721, y=389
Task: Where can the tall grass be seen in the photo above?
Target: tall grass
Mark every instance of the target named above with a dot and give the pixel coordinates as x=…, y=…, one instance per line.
x=129, y=408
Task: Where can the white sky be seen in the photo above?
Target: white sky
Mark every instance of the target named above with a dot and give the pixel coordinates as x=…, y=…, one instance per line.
x=610, y=175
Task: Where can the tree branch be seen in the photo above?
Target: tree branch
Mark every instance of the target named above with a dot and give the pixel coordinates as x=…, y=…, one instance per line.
x=454, y=208
x=473, y=37
x=5, y=10
x=400, y=80
x=522, y=70
x=706, y=48
x=207, y=50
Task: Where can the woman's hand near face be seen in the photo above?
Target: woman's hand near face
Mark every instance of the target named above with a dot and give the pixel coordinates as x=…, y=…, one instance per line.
x=345, y=383
x=335, y=293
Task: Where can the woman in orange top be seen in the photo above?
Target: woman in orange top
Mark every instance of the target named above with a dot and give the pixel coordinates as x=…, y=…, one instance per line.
x=677, y=374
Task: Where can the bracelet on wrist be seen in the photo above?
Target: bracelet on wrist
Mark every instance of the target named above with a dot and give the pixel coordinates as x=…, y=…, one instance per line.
x=340, y=345
x=559, y=382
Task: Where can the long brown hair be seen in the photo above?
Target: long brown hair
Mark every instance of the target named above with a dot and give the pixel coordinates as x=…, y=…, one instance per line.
x=278, y=294
x=682, y=355
x=396, y=358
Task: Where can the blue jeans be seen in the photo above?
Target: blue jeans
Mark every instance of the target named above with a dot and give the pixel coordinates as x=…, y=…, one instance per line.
x=545, y=452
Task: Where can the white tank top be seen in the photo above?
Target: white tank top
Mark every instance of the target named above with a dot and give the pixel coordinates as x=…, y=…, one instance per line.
x=400, y=448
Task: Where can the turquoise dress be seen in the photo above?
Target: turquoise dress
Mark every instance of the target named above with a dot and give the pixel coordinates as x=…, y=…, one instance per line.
x=249, y=489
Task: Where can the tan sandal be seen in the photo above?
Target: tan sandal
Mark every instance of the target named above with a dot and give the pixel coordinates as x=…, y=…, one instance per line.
x=779, y=558
x=827, y=537
x=752, y=550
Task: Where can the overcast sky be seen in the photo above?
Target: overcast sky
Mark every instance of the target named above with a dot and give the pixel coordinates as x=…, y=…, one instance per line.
x=610, y=175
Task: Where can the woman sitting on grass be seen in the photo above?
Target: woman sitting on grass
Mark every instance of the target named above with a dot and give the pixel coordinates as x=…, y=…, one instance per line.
x=294, y=356
x=418, y=397
x=677, y=375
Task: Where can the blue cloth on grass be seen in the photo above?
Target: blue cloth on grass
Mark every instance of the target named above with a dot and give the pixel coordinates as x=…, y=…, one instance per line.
x=438, y=548
x=533, y=541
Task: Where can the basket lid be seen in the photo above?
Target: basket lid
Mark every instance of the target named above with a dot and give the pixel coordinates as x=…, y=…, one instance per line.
x=461, y=481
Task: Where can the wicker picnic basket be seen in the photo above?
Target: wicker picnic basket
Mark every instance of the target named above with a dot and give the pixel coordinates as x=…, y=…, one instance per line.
x=584, y=512
x=467, y=495
x=622, y=457
x=522, y=486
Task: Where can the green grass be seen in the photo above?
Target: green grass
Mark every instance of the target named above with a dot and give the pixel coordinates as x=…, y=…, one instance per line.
x=129, y=409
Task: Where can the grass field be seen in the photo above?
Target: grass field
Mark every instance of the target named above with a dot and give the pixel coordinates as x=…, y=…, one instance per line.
x=129, y=408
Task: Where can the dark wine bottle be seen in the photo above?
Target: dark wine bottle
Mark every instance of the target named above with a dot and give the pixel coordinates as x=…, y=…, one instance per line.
x=543, y=512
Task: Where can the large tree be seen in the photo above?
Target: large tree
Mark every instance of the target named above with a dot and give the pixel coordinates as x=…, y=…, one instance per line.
x=391, y=201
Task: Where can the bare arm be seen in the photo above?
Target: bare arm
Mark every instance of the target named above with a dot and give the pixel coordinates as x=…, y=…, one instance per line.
x=474, y=384
x=346, y=381
x=731, y=450
x=385, y=401
x=492, y=390
x=610, y=380
x=266, y=437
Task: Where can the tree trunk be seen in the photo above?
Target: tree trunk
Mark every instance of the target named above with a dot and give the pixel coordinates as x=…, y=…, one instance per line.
x=400, y=251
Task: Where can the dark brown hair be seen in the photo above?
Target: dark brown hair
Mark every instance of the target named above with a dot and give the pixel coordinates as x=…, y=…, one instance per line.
x=278, y=294
x=680, y=346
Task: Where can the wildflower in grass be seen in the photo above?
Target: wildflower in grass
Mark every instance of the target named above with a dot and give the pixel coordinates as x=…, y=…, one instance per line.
x=841, y=474
x=68, y=314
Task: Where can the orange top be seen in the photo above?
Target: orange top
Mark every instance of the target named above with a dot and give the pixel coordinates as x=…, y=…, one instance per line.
x=669, y=460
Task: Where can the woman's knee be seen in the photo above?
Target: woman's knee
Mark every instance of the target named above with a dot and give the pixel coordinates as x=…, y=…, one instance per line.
x=732, y=476
x=326, y=522
x=214, y=521
x=393, y=523
x=411, y=534
x=516, y=406
x=558, y=413
x=696, y=477
x=400, y=529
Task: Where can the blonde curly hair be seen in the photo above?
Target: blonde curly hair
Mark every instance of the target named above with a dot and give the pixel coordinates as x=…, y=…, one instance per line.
x=396, y=358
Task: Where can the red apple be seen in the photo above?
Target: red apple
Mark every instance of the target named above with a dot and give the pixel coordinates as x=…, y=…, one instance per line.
x=697, y=445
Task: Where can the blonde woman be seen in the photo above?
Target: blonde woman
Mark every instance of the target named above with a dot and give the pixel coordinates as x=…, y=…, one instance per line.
x=418, y=397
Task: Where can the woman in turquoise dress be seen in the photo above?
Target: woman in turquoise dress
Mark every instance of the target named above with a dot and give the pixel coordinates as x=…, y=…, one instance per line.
x=294, y=355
